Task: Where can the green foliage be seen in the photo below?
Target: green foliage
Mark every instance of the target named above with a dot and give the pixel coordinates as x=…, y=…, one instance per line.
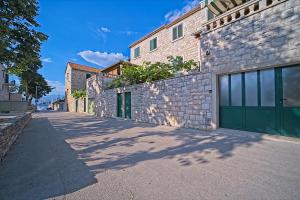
x=149, y=72
x=79, y=94
x=20, y=42
x=118, y=82
x=20, y=45
x=32, y=82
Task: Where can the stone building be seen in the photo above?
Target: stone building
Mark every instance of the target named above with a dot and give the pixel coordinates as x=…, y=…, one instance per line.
x=173, y=39
x=252, y=57
x=249, y=75
x=75, y=79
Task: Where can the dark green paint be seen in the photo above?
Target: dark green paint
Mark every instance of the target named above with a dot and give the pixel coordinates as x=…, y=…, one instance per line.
x=278, y=120
x=119, y=105
x=128, y=105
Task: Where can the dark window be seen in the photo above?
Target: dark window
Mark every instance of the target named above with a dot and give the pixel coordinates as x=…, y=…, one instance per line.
x=153, y=44
x=6, y=78
x=88, y=76
x=178, y=32
x=137, y=52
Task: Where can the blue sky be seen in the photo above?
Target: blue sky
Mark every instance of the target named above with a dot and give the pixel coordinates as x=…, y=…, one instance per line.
x=97, y=32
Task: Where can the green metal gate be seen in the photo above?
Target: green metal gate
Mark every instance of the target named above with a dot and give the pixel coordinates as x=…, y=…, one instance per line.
x=263, y=101
x=119, y=105
x=128, y=105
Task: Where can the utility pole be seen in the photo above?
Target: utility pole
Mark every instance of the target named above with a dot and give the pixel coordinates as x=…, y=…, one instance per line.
x=36, y=100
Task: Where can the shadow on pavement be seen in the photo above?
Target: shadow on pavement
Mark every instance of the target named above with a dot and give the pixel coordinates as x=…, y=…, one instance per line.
x=59, y=153
x=42, y=165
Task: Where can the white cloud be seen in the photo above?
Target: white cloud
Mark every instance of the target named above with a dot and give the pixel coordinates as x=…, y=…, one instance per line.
x=59, y=88
x=47, y=60
x=174, y=14
x=129, y=32
x=104, y=29
x=102, y=59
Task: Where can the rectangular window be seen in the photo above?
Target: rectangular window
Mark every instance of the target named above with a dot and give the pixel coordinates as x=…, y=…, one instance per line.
x=177, y=32
x=236, y=90
x=153, y=44
x=137, y=52
x=251, y=88
x=88, y=76
x=267, y=85
x=291, y=86
x=224, y=90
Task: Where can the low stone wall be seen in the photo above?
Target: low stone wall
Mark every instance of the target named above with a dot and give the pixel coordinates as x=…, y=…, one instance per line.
x=183, y=101
x=10, y=128
x=18, y=106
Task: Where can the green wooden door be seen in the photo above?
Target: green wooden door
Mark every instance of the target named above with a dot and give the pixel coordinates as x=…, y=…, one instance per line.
x=119, y=105
x=128, y=105
x=262, y=101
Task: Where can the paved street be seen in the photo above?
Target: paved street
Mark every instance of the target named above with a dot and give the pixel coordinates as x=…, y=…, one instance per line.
x=72, y=156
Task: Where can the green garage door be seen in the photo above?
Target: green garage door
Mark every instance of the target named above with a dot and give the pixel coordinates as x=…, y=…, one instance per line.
x=263, y=101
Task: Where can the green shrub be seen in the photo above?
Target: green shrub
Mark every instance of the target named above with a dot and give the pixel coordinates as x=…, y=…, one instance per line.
x=79, y=94
x=148, y=72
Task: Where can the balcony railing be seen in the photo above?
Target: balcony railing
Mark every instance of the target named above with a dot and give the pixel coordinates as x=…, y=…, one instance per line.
x=239, y=13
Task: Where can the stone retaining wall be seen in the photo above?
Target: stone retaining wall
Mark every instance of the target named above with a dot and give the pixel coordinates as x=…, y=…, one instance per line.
x=183, y=101
x=10, y=128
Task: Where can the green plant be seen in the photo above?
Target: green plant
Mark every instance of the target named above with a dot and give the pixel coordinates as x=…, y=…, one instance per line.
x=117, y=82
x=79, y=94
x=149, y=72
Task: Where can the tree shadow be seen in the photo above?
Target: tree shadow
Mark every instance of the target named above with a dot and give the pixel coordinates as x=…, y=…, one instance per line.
x=119, y=144
x=66, y=155
x=42, y=165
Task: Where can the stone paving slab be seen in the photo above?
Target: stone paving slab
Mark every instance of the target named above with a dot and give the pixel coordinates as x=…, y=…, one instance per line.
x=73, y=156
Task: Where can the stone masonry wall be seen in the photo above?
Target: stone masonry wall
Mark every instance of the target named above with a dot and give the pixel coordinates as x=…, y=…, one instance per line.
x=269, y=37
x=74, y=80
x=264, y=36
x=187, y=46
x=10, y=130
x=261, y=37
x=183, y=101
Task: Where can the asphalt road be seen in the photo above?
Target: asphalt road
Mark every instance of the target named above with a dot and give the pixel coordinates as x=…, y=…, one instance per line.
x=72, y=156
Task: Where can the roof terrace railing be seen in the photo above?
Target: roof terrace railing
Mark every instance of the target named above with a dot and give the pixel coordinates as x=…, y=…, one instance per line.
x=238, y=13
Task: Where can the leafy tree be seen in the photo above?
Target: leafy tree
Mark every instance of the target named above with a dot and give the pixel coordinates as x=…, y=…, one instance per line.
x=20, y=42
x=32, y=82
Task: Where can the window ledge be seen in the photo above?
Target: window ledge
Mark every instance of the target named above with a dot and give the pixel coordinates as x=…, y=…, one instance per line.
x=177, y=39
x=153, y=50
